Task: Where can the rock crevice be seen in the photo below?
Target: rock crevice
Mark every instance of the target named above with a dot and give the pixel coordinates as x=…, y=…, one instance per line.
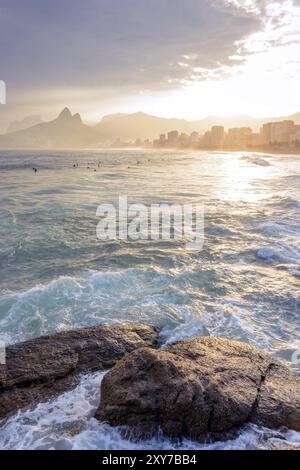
x=259, y=388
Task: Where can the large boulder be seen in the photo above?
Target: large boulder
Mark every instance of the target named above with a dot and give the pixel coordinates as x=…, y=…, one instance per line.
x=43, y=367
x=203, y=388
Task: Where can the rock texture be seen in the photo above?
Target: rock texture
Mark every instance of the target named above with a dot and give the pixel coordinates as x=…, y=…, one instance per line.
x=40, y=368
x=202, y=388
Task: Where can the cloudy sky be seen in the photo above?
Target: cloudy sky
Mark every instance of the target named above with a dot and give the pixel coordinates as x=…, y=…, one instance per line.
x=184, y=58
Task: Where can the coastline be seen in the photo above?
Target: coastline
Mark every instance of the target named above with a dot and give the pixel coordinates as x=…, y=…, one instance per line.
x=259, y=150
x=158, y=283
x=43, y=368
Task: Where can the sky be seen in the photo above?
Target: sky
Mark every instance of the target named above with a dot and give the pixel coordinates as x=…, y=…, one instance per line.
x=179, y=58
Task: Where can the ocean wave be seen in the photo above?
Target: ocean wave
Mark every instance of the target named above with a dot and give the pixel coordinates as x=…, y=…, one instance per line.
x=285, y=202
x=67, y=423
x=7, y=252
x=181, y=302
x=256, y=160
x=24, y=166
x=281, y=229
x=66, y=302
x=282, y=254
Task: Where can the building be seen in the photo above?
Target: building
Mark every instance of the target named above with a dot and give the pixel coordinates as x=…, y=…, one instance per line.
x=255, y=140
x=238, y=137
x=295, y=136
x=194, y=137
x=281, y=134
x=278, y=132
x=162, y=140
x=213, y=138
x=266, y=132
x=217, y=136
x=183, y=140
x=172, y=138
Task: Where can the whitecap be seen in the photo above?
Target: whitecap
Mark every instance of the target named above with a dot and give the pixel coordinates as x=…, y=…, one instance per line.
x=256, y=160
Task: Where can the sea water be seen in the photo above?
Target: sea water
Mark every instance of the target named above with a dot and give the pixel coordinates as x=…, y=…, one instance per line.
x=56, y=275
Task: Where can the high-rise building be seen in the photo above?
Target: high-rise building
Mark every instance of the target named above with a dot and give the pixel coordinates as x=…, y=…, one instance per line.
x=278, y=132
x=162, y=140
x=217, y=136
x=238, y=137
x=172, y=138
x=213, y=138
x=194, y=137
x=183, y=140
x=296, y=135
x=255, y=140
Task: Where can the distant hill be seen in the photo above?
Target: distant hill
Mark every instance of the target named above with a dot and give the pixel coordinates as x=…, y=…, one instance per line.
x=295, y=117
x=66, y=131
x=228, y=121
x=139, y=126
x=28, y=121
x=240, y=121
x=144, y=126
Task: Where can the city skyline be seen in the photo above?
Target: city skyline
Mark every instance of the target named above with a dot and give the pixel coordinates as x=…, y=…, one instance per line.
x=281, y=135
x=220, y=57
x=68, y=130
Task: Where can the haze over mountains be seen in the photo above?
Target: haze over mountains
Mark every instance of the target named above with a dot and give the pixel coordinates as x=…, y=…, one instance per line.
x=144, y=126
x=68, y=131
x=28, y=121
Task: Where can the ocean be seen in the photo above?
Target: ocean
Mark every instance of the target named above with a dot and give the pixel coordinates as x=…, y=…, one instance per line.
x=55, y=274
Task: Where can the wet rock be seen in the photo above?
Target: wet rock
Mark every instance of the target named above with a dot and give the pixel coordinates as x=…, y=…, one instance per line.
x=43, y=367
x=203, y=388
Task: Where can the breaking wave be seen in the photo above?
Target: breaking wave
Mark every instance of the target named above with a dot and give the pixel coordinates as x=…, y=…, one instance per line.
x=67, y=423
x=243, y=285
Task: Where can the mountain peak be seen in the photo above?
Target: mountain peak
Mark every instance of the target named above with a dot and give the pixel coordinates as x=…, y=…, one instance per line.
x=77, y=118
x=65, y=114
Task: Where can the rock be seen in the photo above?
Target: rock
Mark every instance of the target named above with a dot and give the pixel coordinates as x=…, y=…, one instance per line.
x=43, y=367
x=202, y=388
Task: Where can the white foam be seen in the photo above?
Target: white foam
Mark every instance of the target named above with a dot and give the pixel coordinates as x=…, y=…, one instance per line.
x=67, y=422
x=256, y=160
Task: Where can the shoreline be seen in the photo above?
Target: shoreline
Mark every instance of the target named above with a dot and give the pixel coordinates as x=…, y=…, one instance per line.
x=139, y=372
x=167, y=149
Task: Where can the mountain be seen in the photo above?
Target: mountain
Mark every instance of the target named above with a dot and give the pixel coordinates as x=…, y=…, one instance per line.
x=295, y=117
x=66, y=131
x=139, y=126
x=228, y=121
x=144, y=126
x=240, y=121
x=28, y=121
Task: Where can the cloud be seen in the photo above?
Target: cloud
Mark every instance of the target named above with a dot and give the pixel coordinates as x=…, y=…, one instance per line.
x=96, y=54
x=134, y=43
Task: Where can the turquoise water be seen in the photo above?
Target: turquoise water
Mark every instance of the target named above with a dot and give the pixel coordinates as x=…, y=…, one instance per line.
x=55, y=274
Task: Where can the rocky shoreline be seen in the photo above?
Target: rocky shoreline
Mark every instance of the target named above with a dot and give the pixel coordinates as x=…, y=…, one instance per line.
x=44, y=367
x=204, y=388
